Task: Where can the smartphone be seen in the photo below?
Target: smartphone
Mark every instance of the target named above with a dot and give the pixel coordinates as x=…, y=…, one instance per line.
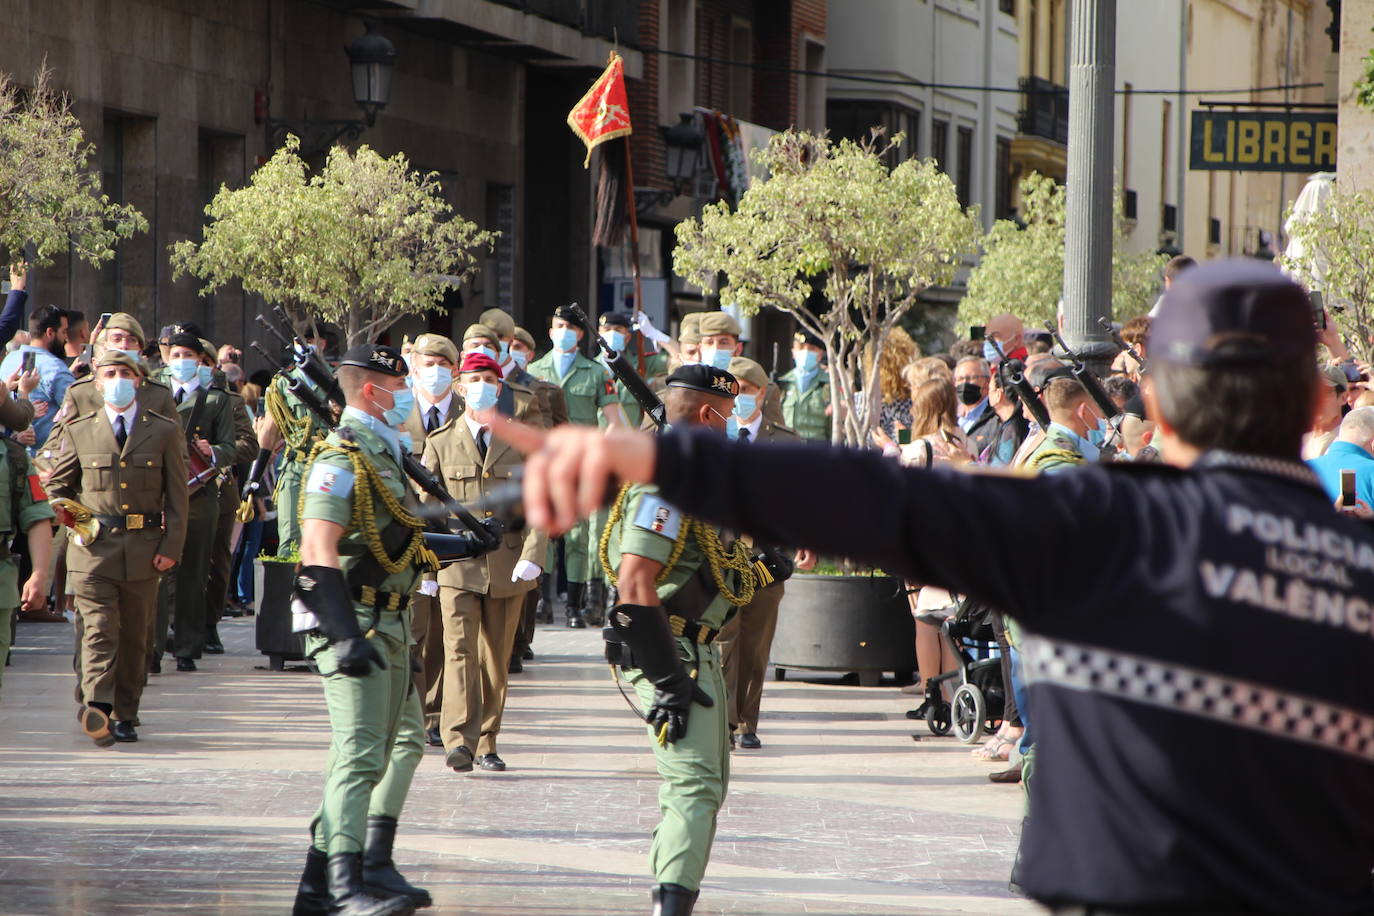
x=1348, y=497
x=1318, y=310
x=26, y=361
x=105, y=318
x=903, y=436
x=977, y=331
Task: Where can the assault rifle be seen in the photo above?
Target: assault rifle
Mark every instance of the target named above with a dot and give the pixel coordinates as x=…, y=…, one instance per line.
x=1085, y=376
x=1012, y=373
x=1121, y=343
x=625, y=373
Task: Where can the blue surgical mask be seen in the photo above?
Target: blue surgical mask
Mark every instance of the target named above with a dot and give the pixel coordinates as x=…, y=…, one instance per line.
x=731, y=428
x=806, y=360
x=183, y=370
x=207, y=375
x=990, y=352
x=615, y=340
x=564, y=339
x=436, y=380
x=132, y=354
x=745, y=405
x=480, y=395
x=520, y=358
x=505, y=350
x=488, y=352
x=716, y=357
x=118, y=392
x=403, y=402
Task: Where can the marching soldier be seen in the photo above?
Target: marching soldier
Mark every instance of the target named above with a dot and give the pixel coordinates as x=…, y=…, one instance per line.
x=126, y=464
x=24, y=509
x=362, y=553
x=516, y=400
x=207, y=418
x=678, y=585
x=589, y=397
x=616, y=331
x=482, y=599
x=122, y=333
x=806, y=404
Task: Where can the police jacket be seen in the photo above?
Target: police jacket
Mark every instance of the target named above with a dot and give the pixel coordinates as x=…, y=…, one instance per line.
x=1199, y=644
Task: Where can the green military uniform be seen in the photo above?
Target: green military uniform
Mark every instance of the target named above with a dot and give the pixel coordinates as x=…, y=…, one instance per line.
x=356, y=480
x=699, y=586
x=300, y=432
x=23, y=504
x=805, y=402
x=1058, y=451
x=221, y=549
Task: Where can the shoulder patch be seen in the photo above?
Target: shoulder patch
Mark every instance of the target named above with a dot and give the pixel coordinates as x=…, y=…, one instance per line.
x=657, y=516
x=328, y=480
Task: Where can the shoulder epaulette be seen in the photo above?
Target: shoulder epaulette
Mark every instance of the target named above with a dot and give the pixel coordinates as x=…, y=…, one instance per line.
x=161, y=416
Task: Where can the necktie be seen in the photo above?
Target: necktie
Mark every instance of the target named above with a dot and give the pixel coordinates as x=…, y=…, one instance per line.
x=744, y=435
x=121, y=434
x=432, y=419
x=180, y=395
x=482, y=442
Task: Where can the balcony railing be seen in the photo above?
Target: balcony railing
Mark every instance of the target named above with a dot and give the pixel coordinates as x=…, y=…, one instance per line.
x=1045, y=111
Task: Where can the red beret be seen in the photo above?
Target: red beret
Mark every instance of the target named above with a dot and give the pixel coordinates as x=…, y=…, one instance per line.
x=479, y=362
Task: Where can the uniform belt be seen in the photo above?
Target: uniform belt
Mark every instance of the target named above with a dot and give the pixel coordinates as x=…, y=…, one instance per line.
x=690, y=629
x=381, y=601
x=131, y=522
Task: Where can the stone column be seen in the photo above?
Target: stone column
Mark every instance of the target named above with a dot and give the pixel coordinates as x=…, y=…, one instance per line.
x=1355, y=133
x=1088, y=206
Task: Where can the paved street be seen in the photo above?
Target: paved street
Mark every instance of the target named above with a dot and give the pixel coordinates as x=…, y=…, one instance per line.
x=840, y=813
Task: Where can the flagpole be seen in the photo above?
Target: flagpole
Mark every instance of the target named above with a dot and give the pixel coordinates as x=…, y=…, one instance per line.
x=634, y=245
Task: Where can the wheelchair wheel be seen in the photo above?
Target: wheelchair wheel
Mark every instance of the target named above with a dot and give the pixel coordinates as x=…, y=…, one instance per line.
x=969, y=714
x=937, y=719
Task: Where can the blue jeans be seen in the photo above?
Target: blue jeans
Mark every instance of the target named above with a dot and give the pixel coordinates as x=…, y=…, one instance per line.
x=1018, y=687
x=250, y=542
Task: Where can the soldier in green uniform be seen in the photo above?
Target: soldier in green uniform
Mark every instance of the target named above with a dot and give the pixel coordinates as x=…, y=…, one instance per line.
x=615, y=330
x=24, y=510
x=1072, y=415
x=806, y=403
x=362, y=553
x=678, y=586
x=207, y=417
x=589, y=397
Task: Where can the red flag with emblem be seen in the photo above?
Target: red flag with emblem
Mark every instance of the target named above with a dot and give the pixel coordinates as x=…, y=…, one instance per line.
x=604, y=111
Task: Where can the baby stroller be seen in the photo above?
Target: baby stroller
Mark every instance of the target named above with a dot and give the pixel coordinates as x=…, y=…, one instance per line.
x=976, y=707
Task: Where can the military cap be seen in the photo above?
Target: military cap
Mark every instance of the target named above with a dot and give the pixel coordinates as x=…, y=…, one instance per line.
x=617, y=320
x=208, y=349
x=1230, y=313
x=125, y=322
x=804, y=337
x=479, y=362
x=184, y=327
x=481, y=331
x=435, y=345
x=689, y=331
x=377, y=358
x=112, y=357
x=499, y=320
x=525, y=337
x=705, y=378
x=566, y=314
x=741, y=367
x=185, y=339
x=718, y=323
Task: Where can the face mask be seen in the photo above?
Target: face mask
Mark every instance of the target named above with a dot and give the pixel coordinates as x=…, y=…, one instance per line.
x=806, y=360
x=132, y=354
x=410, y=381
x=745, y=404
x=716, y=358
x=990, y=352
x=207, y=375
x=969, y=393
x=732, y=428
x=488, y=352
x=402, y=402
x=564, y=339
x=505, y=351
x=480, y=395
x=435, y=380
x=118, y=392
x=615, y=340
x=520, y=358
x=183, y=370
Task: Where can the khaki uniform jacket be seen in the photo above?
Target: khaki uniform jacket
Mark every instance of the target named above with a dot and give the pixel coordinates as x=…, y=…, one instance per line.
x=451, y=452
x=415, y=423
x=147, y=476
x=83, y=398
x=551, y=399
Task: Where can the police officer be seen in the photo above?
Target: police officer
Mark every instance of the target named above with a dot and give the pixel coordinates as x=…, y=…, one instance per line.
x=126, y=464
x=678, y=583
x=361, y=556
x=1197, y=634
x=806, y=399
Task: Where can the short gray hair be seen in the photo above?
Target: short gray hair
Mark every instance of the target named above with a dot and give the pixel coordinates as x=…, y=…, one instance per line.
x=1358, y=426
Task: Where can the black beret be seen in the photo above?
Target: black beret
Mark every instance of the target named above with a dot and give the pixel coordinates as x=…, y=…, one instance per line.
x=377, y=358
x=567, y=315
x=617, y=319
x=705, y=378
x=1135, y=406
x=804, y=336
x=183, y=327
x=185, y=339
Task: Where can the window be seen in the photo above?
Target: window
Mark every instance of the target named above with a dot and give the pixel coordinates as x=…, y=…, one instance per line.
x=739, y=80
x=939, y=143
x=811, y=89
x=500, y=277
x=963, y=179
x=1007, y=6
x=854, y=119
x=677, y=85
x=1003, y=203
x=112, y=185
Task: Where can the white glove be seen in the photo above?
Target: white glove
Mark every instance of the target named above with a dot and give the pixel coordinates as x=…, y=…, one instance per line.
x=525, y=571
x=646, y=327
x=429, y=587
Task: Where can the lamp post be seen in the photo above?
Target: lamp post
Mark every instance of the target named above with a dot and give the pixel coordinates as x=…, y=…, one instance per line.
x=683, y=142
x=371, y=60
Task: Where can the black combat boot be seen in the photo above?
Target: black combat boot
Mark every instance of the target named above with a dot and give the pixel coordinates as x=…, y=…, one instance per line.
x=544, y=613
x=348, y=897
x=595, y=612
x=312, y=896
x=577, y=593
x=673, y=900
x=379, y=871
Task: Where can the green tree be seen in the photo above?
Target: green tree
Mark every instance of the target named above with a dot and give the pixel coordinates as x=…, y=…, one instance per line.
x=833, y=217
x=359, y=244
x=1022, y=268
x=49, y=203
x=1330, y=251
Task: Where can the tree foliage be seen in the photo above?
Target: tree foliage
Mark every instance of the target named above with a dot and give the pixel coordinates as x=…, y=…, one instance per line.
x=361, y=243
x=1022, y=268
x=49, y=203
x=833, y=217
x=1336, y=242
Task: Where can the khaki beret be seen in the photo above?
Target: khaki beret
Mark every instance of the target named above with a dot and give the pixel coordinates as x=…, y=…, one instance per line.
x=1335, y=377
x=499, y=320
x=125, y=322
x=208, y=349
x=746, y=370
x=524, y=337
x=690, y=330
x=113, y=357
x=481, y=330
x=718, y=323
x=435, y=345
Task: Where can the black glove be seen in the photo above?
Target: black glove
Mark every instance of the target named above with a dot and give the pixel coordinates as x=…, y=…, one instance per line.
x=645, y=630
x=324, y=592
x=673, y=698
x=356, y=655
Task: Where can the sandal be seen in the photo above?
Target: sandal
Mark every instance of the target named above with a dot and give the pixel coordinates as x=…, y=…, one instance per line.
x=997, y=748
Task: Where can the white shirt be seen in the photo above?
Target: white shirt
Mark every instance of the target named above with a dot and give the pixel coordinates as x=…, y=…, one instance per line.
x=443, y=406
x=475, y=427
x=185, y=389
x=128, y=414
x=754, y=427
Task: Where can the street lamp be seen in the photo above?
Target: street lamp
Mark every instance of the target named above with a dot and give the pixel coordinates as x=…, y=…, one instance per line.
x=683, y=146
x=371, y=60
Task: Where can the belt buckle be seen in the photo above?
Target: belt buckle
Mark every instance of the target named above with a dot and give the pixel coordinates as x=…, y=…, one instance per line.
x=133, y=522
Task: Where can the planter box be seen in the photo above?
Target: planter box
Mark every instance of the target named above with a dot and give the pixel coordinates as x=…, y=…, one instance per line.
x=274, y=636
x=845, y=623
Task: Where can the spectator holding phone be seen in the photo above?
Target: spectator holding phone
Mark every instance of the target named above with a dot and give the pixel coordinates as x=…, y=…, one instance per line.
x=1353, y=450
x=44, y=354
